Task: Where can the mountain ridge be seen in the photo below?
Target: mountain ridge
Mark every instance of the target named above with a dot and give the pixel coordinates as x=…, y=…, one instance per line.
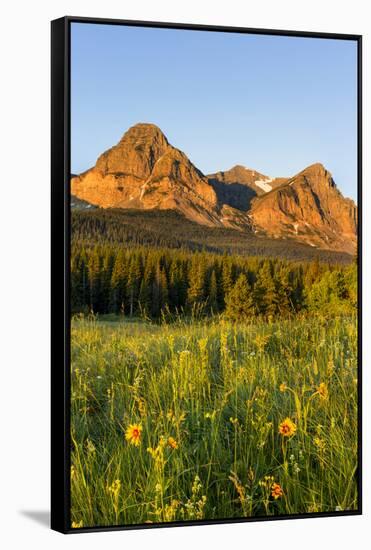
x=144, y=171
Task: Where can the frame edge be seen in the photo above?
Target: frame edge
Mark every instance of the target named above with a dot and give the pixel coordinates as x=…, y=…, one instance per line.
x=59, y=519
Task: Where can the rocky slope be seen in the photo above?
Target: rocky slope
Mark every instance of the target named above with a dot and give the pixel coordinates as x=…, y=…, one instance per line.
x=143, y=171
x=310, y=209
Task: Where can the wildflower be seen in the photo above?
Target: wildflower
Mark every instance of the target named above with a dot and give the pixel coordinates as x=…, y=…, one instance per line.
x=276, y=491
x=77, y=524
x=287, y=427
x=283, y=387
x=320, y=443
x=172, y=443
x=233, y=421
x=133, y=434
x=322, y=390
x=169, y=512
x=114, y=488
x=266, y=482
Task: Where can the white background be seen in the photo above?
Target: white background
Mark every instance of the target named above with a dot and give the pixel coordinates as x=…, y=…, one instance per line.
x=24, y=304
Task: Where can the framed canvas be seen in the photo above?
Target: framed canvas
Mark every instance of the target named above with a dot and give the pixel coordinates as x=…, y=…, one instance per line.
x=206, y=274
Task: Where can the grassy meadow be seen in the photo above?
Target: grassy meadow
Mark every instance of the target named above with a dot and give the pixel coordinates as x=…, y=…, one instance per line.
x=212, y=419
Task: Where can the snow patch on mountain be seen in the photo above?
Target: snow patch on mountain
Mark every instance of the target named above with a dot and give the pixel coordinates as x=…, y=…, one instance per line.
x=264, y=184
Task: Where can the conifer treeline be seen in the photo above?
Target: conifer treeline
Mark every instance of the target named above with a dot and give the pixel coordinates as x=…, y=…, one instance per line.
x=149, y=282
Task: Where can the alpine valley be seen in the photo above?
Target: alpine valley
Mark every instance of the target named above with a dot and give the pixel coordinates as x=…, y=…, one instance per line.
x=145, y=181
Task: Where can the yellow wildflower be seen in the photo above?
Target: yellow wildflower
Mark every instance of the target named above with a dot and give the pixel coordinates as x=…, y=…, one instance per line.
x=133, y=434
x=114, y=488
x=322, y=390
x=287, y=427
x=172, y=443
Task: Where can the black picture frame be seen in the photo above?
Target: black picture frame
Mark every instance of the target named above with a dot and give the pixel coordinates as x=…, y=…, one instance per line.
x=60, y=261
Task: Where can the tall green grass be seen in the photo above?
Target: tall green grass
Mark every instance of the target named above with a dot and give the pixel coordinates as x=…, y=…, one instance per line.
x=220, y=391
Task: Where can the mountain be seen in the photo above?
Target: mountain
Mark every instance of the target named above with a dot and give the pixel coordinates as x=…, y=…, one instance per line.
x=239, y=185
x=145, y=172
x=310, y=209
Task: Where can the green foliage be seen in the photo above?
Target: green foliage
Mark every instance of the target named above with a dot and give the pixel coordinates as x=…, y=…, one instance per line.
x=141, y=281
x=240, y=302
x=335, y=292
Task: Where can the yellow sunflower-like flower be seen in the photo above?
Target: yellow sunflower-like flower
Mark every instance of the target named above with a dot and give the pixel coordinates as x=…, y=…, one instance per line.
x=322, y=390
x=172, y=443
x=276, y=491
x=133, y=434
x=287, y=427
x=283, y=387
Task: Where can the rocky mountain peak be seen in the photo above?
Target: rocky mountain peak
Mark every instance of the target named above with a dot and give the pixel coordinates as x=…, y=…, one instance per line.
x=144, y=171
x=142, y=133
x=136, y=152
x=310, y=208
x=317, y=173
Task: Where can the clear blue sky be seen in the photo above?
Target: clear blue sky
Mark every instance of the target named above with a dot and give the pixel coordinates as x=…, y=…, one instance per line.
x=274, y=104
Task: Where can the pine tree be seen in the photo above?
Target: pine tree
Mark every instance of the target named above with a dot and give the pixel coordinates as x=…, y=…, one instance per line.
x=284, y=291
x=106, y=275
x=174, y=285
x=213, y=293
x=94, y=270
x=240, y=300
x=118, y=283
x=266, y=295
x=133, y=283
x=164, y=291
x=227, y=277
x=196, y=280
